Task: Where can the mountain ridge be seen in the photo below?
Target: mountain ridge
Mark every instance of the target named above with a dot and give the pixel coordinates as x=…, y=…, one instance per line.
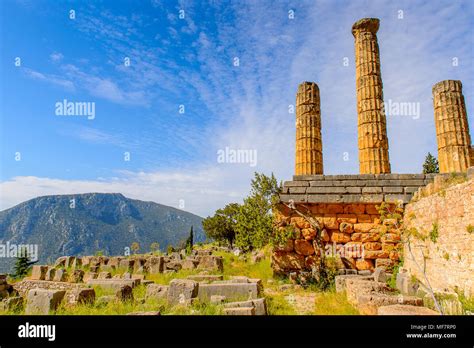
x=82, y=224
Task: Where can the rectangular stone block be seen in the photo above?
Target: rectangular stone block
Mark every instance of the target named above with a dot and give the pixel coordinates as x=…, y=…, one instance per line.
x=308, y=177
x=112, y=283
x=320, y=183
x=416, y=182
x=39, y=272
x=296, y=183
x=411, y=189
x=297, y=189
x=326, y=190
x=42, y=301
x=346, y=183
x=329, y=198
x=239, y=311
x=393, y=189
x=205, y=277
x=294, y=197
x=371, y=190
x=395, y=198
x=232, y=291
x=354, y=190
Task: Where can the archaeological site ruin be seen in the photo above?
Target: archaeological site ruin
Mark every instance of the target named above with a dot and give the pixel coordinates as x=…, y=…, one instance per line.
x=365, y=218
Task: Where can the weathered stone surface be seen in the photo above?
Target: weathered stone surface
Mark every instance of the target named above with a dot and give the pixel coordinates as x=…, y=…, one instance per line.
x=364, y=264
x=211, y=263
x=303, y=247
x=126, y=264
x=283, y=261
x=372, y=129
x=386, y=263
x=124, y=293
x=42, y=301
x=369, y=303
x=340, y=280
x=189, y=263
x=400, y=309
x=80, y=296
x=60, y=262
x=38, y=272
x=451, y=257
x=173, y=265
x=181, y=291
x=405, y=284
x=380, y=275
x=50, y=273
x=217, y=299
x=205, y=277
x=156, y=291
x=112, y=283
x=452, y=128
x=60, y=275
x=76, y=276
x=309, y=155
x=356, y=287
x=232, y=291
x=339, y=237
x=239, y=311
x=258, y=304
x=346, y=227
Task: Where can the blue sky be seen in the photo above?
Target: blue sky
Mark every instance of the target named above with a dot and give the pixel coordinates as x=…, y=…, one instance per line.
x=190, y=62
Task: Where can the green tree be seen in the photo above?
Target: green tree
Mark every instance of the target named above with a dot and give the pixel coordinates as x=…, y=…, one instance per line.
x=221, y=226
x=431, y=164
x=22, y=264
x=190, y=241
x=254, y=221
x=135, y=247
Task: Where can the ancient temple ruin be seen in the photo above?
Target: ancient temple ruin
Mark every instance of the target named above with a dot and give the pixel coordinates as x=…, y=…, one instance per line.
x=347, y=206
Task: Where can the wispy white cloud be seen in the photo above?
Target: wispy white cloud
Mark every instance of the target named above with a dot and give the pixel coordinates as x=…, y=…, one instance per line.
x=53, y=79
x=56, y=56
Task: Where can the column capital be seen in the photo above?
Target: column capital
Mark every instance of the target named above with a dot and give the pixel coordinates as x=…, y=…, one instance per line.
x=366, y=24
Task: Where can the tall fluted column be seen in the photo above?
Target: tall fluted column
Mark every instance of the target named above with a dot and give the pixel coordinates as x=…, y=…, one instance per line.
x=309, y=152
x=372, y=124
x=452, y=128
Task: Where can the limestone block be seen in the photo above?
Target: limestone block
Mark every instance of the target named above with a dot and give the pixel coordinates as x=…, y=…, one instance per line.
x=42, y=301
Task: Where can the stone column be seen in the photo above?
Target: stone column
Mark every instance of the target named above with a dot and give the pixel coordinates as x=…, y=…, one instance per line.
x=309, y=152
x=452, y=128
x=372, y=124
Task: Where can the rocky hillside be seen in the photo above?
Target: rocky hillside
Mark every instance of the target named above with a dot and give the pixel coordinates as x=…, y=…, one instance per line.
x=83, y=224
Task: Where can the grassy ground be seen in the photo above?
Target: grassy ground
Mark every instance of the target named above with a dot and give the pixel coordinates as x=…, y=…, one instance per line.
x=292, y=301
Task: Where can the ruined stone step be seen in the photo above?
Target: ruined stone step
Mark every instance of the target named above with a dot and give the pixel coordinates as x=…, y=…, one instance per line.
x=400, y=309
